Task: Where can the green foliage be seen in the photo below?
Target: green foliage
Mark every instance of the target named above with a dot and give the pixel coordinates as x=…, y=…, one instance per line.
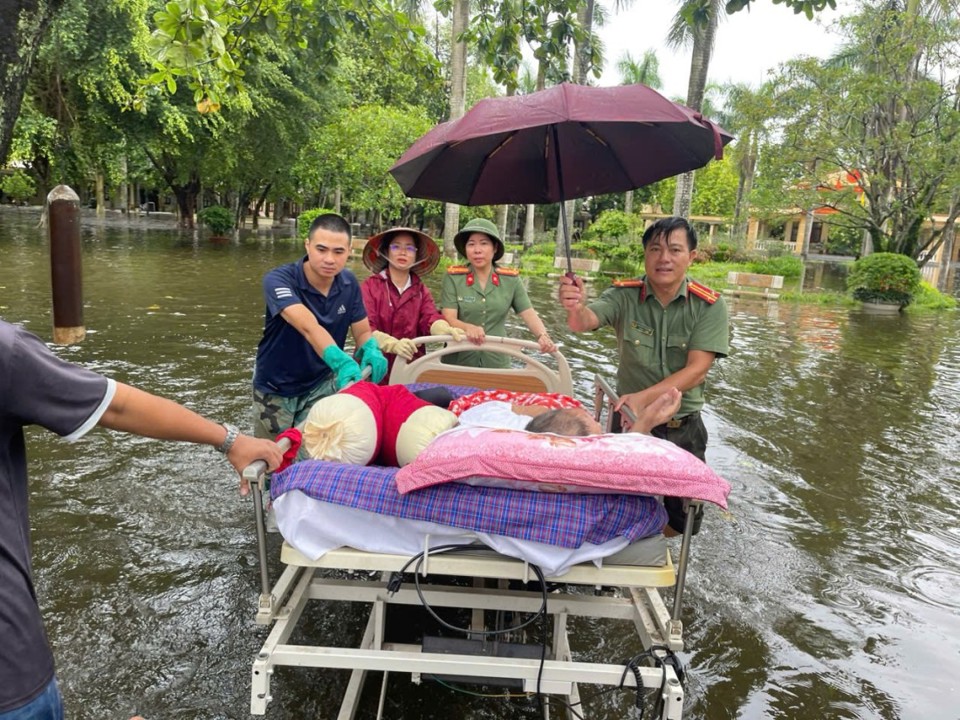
x=873, y=134
x=928, y=297
x=614, y=226
x=790, y=266
x=305, y=218
x=354, y=151
x=843, y=240
x=715, y=190
x=218, y=218
x=720, y=253
x=18, y=186
x=884, y=277
x=210, y=45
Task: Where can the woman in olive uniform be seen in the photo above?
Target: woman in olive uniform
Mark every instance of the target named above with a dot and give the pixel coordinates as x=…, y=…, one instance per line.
x=477, y=297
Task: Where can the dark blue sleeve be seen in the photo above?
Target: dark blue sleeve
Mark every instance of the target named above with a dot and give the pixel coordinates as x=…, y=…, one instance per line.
x=280, y=290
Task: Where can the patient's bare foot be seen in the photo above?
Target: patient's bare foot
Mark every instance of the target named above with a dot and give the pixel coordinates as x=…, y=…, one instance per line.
x=658, y=411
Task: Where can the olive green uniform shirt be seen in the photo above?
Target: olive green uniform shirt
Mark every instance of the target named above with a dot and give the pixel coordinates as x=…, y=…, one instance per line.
x=487, y=307
x=653, y=341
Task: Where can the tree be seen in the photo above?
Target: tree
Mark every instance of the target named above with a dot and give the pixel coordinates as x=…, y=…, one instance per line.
x=696, y=22
x=18, y=186
x=745, y=115
x=23, y=24
x=878, y=140
x=210, y=42
x=355, y=150
x=646, y=71
x=458, y=94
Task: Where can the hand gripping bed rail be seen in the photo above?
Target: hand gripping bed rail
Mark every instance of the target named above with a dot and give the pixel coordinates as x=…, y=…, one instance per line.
x=255, y=474
x=605, y=395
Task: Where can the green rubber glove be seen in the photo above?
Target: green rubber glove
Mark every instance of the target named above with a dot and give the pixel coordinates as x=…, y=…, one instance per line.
x=343, y=366
x=371, y=357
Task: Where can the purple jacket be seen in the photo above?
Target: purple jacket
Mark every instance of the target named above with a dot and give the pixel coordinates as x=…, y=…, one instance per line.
x=403, y=316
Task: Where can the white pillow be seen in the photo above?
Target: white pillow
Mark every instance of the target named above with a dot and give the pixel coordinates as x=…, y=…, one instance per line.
x=341, y=428
x=420, y=429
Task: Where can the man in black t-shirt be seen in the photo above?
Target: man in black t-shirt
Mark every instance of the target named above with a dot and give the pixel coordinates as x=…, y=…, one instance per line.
x=37, y=388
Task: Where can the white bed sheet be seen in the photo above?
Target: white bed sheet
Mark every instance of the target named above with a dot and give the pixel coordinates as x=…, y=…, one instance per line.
x=315, y=528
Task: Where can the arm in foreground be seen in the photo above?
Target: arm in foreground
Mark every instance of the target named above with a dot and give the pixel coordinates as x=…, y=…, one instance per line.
x=138, y=412
x=658, y=411
x=691, y=375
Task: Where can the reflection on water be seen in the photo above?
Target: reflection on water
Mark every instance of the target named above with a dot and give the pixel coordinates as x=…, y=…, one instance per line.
x=830, y=589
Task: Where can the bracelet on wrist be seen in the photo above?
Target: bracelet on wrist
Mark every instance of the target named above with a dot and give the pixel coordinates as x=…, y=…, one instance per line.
x=233, y=432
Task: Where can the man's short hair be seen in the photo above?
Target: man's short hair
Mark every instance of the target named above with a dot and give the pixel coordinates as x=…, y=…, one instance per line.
x=562, y=421
x=664, y=226
x=331, y=222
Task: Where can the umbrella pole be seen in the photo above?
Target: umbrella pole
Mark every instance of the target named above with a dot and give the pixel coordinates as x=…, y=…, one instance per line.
x=563, y=203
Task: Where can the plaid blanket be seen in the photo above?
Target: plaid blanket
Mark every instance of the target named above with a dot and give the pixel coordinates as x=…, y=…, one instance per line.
x=565, y=520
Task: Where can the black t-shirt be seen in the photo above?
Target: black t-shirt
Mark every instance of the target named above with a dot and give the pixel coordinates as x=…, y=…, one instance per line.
x=36, y=388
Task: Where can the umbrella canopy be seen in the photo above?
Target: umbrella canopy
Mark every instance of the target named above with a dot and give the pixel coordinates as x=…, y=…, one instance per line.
x=566, y=142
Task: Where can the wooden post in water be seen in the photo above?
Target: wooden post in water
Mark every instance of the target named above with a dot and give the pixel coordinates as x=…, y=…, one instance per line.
x=63, y=208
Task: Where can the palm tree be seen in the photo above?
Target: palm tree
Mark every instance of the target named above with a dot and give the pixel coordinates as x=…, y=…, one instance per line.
x=745, y=114
x=696, y=21
x=646, y=71
x=458, y=96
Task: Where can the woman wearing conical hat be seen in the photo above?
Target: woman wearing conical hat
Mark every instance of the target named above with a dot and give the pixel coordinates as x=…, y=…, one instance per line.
x=399, y=305
x=477, y=297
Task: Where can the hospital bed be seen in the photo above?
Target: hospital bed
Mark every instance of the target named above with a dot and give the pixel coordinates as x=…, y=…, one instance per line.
x=548, y=668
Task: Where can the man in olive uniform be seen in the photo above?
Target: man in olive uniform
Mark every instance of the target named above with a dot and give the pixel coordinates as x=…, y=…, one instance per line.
x=669, y=331
x=478, y=296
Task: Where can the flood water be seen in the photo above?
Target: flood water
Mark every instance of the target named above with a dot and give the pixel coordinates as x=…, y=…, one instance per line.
x=830, y=590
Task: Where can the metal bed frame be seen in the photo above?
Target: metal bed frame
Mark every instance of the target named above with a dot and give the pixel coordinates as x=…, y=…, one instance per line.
x=658, y=630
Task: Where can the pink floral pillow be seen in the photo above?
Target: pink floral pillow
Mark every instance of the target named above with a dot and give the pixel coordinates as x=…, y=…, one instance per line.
x=554, y=401
x=618, y=464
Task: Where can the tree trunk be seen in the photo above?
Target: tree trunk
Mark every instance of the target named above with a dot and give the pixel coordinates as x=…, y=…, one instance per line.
x=122, y=190
x=502, y=211
x=186, y=195
x=744, y=186
x=256, y=208
x=337, y=196
x=949, y=239
x=528, y=228
x=628, y=202
x=458, y=101
x=100, y=195
x=581, y=57
x=703, y=38
x=23, y=23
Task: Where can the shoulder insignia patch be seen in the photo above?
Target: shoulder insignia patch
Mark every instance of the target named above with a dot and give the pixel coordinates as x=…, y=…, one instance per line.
x=508, y=272
x=634, y=283
x=706, y=294
x=458, y=270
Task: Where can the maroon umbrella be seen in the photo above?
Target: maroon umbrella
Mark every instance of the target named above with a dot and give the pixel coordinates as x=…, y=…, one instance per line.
x=566, y=142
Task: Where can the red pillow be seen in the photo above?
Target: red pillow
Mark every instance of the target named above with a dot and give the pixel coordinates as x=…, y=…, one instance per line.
x=553, y=401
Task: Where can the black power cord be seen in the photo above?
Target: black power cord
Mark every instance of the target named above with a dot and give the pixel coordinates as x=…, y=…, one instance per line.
x=661, y=657
x=396, y=580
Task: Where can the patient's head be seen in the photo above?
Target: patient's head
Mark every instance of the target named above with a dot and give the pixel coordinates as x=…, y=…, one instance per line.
x=565, y=421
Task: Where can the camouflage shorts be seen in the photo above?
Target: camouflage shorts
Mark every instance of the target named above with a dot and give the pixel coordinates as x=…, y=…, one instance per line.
x=272, y=414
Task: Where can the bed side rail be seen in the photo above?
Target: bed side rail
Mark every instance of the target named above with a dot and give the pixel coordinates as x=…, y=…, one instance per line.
x=606, y=397
x=534, y=376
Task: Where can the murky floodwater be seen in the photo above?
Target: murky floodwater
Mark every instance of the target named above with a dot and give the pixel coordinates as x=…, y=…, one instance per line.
x=831, y=590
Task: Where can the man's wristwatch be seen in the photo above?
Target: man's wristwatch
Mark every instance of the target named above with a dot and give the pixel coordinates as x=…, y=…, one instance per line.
x=233, y=432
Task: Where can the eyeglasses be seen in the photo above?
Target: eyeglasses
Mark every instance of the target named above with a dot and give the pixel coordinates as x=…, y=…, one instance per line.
x=396, y=247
